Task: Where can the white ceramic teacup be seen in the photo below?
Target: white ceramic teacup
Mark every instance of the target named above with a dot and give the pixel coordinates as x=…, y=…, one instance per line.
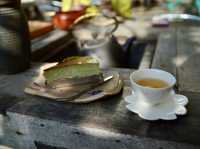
x=148, y=95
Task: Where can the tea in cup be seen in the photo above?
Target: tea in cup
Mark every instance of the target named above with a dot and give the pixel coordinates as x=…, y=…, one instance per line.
x=152, y=86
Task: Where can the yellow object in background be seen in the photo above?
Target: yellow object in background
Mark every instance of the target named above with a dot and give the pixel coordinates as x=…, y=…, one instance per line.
x=66, y=5
x=92, y=10
x=69, y=4
x=123, y=7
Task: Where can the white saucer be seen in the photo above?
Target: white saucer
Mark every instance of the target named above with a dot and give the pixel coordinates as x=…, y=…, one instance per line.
x=165, y=111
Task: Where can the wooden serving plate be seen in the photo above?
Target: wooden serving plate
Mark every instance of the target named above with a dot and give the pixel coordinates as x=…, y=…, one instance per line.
x=80, y=94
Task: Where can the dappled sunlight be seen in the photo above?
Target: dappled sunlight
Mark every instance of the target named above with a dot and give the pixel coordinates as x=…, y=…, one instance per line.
x=187, y=47
x=104, y=115
x=180, y=60
x=167, y=36
x=95, y=132
x=198, y=50
x=195, y=38
x=186, y=56
x=5, y=147
x=1, y=126
x=193, y=33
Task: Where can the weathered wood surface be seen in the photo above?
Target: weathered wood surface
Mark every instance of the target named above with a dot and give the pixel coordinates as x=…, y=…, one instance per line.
x=188, y=58
x=12, y=86
x=147, y=58
x=165, y=54
x=112, y=116
x=68, y=135
x=108, y=115
x=107, y=123
x=178, y=52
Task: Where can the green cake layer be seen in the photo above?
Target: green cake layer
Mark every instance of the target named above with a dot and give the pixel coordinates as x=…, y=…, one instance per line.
x=74, y=69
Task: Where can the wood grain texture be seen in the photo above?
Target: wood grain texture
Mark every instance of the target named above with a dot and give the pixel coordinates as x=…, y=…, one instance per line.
x=147, y=58
x=178, y=51
x=111, y=115
x=188, y=58
x=165, y=54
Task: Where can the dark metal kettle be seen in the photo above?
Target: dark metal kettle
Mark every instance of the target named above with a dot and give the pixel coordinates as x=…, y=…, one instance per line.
x=14, y=38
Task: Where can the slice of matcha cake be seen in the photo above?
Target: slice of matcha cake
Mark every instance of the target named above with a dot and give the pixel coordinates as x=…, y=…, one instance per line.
x=73, y=71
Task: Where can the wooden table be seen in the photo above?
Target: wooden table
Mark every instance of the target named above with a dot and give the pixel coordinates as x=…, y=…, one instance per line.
x=32, y=121
x=178, y=51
